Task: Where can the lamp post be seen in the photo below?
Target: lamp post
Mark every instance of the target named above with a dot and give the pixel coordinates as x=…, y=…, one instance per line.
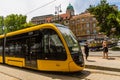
x=4, y=40
x=57, y=11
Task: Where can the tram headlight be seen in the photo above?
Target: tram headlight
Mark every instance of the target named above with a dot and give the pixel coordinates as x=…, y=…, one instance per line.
x=81, y=58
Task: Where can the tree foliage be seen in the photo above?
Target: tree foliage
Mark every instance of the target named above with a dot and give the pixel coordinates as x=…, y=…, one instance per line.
x=14, y=22
x=29, y=24
x=107, y=17
x=1, y=24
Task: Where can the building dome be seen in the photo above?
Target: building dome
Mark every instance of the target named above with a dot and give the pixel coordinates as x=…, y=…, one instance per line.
x=70, y=10
x=70, y=7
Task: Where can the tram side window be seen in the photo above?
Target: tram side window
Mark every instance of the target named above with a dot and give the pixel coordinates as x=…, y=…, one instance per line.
x=11, y=49
x=18, y=48
x=1, y=48
x=53, y=47
x=35, y=47
x=14, y=48
x=23, y=45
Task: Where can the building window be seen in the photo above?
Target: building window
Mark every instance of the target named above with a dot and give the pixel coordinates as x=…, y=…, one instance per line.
x=87, y=25
x=79, y=27
x=78, y=20
x=94, y=19
x=83, y=19
x=88, y=31
x=94, y=31
x=82, y=27
x=73, y=22
x=94, y=25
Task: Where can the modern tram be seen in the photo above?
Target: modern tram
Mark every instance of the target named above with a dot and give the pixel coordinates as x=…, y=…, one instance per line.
x=45, y=47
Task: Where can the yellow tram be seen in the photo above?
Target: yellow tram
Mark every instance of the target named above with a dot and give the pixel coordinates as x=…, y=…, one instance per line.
x=46, y=47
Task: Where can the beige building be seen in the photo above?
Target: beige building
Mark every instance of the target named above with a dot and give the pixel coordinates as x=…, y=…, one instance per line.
x=84, y=26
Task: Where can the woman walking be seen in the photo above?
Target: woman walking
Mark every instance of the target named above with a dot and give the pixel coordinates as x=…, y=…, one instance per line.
x=105, y=50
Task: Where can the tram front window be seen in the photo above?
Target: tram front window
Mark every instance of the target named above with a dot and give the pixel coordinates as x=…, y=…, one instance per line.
x=53, y=47
x=73, y=45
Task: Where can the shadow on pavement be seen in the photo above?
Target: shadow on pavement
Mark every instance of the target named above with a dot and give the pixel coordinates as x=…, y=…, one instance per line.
x=64, y=76
x=111, y=58
x=68, y=76
x=91, y=60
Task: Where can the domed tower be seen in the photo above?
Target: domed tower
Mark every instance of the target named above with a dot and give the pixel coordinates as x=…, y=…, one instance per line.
x=70, y=10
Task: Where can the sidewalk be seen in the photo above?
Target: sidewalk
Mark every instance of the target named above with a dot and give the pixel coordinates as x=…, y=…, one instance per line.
x=95, y=61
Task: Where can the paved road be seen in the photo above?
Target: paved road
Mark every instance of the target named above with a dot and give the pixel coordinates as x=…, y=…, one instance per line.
x=13, y=73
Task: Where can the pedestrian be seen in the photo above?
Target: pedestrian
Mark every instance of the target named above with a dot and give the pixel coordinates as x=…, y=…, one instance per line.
x=105, y=50
x=86, y=50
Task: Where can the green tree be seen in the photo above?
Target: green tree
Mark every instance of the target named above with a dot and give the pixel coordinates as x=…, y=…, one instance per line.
x=29, y=24
x=1, y=24
x=14, y=22
x=114, y=22
x=106, y=15
x=117, y=31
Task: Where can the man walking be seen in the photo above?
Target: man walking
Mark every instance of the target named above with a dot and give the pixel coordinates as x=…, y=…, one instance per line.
x=86, y=50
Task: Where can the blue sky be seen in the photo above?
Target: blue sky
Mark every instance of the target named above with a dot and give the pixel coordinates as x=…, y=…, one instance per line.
x=82, y=5
x=8, y=7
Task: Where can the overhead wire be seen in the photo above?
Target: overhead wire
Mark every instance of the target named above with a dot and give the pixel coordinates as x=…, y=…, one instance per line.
x=40, y=7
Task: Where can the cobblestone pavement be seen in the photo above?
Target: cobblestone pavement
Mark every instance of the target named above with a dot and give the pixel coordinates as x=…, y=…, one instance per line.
x=111, y=62
x=102, y=75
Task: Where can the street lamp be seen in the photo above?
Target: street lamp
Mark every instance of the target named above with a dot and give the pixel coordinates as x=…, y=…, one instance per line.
x=57, y=11
x=4, y=40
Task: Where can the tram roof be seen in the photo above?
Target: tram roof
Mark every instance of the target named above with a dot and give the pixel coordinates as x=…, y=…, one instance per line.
x=33, y=28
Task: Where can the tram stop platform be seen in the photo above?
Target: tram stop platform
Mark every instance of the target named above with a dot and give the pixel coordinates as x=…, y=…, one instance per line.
x=95, y=61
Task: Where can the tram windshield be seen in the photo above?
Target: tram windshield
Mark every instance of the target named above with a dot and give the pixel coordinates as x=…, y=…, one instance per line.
x=70, y=40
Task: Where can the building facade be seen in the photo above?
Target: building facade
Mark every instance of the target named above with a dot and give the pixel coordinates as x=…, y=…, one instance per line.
x=84, y=26
x=42, y=19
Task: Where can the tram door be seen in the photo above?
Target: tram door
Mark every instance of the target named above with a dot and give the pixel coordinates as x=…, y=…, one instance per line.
x=31, y=54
